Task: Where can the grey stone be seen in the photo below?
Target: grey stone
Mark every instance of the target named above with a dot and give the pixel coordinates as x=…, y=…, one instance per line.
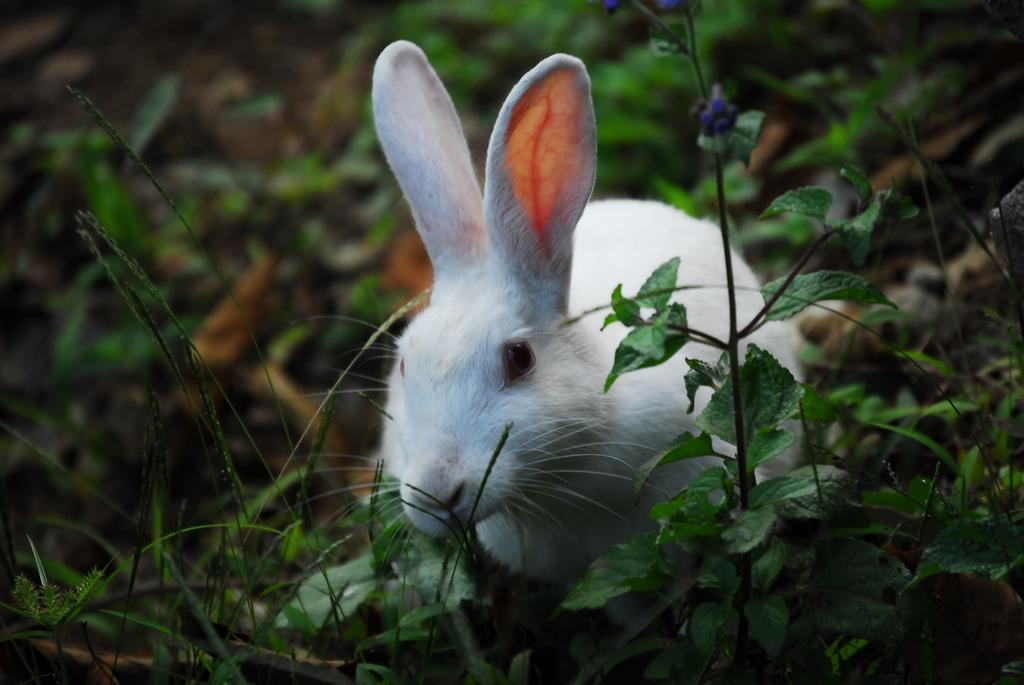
x=1008, y=231
x=1009, y=13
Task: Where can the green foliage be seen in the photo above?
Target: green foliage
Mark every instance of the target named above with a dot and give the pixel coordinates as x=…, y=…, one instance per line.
x=686, y=446
x=769, y=394
x=53, y=606
x=739, y=141
x=631, y=566
x=656, y=339
x=394, y=607
x=857, y=590
x=810, y=201
x=991, y=547
x=806, y=289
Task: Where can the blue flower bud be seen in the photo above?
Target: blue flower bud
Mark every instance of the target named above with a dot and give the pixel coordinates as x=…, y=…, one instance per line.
x=671, y=4
x=717, y=116
x=611, y=5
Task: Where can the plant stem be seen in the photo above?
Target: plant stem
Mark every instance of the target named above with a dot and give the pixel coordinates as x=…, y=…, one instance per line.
x=794, y=272
x=662, y=26
x=737, y=404
x=694, y=57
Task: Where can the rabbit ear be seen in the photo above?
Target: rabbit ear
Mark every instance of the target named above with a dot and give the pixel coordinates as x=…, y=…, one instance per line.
x=540, y=173
x=423, y=142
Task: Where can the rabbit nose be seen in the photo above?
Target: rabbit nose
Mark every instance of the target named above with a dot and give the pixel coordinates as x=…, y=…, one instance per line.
x=446, y=499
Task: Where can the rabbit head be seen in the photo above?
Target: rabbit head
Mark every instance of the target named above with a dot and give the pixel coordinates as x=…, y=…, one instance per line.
x=491, y=348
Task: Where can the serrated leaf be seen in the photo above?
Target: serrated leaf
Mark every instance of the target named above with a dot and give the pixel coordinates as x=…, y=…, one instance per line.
x=766, y=567
x=658, y=288
x=858, y=179
x=624, y=568
x=766, y=445
x=686, y=446
x=990, y=547
x=769, y=620
x=647, y=345
x=739, y=142
x=749, y=529
x=769, y=395
x=706, y=625
x=857, y=590
x=806, y=289
x=856, y=232
x=703, y=374
x=833, y=493
x=809, y=201
x=780, y=489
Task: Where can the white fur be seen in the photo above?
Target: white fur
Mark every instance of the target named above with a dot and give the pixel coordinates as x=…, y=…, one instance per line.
x=561, y=491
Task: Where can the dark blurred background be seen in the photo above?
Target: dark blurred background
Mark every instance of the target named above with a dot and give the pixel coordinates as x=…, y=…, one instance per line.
x=255, y=119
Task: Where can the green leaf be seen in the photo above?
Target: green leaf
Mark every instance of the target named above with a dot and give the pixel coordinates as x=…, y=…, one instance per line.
x=519, y=668
x=658, y=288
x=809, y=201
x=856, y=232
x=695, y=512
x=860, y=181
x=938, y=450
x=426, y=566
x=342, y=588
x=815, y=408
x=624, y=310
x=703, y=374
x=686, y=446
x=681, y=663
x=624, y=568
x=769, y=620
x=766, y=445
x=780, y=489
x=749, y=529
x=738, y=142
x=769, y=395
x=718, y=573
x=806, y=289
x=857, y=590
x=833, y=493
x=648, y=345
x=895, y=206
x=766, y=567
x=706, y=625
x=990, y=547
x=156, y=105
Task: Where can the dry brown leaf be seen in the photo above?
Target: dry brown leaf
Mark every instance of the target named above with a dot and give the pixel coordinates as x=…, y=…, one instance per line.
x=407, y=265
x=223, y=337
x=296, y=403
x=774, y=135
x=21, y=38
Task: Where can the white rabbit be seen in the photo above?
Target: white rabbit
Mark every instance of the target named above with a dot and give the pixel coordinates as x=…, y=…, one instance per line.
x=492, y=347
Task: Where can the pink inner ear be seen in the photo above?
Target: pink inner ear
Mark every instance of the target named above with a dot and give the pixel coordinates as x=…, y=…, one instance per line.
x=542, y=154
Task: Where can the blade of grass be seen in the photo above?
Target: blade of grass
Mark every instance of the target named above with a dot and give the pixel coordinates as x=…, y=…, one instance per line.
x=219, y=648
x=108, y=128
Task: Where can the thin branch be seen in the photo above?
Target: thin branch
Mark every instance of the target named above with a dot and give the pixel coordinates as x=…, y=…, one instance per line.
x=794, y=272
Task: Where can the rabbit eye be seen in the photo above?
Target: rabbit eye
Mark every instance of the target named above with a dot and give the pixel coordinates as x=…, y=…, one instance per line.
x=401, y=368
x=518, y=360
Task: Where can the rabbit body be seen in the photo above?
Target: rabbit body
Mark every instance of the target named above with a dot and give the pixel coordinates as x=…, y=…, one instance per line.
x=493, y=347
